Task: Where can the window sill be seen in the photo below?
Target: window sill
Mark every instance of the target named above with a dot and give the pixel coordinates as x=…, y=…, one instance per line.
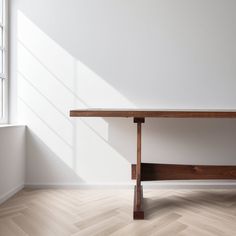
x=11, y=125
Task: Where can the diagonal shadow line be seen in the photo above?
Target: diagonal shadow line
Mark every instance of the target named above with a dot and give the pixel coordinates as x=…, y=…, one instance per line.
x=71, y=91
x=45, y=123
x=55, y=76
x=81, y=119
x=65, y=86
x=33, y=86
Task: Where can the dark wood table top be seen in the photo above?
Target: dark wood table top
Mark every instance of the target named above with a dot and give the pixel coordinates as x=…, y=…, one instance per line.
x=140, y=113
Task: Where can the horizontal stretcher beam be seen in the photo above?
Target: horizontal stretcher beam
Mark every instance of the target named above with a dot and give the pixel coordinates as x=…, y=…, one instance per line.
x=150, y=171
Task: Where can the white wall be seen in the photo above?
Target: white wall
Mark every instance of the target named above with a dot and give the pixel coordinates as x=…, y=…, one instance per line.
x=138, y=54
x=12, y=160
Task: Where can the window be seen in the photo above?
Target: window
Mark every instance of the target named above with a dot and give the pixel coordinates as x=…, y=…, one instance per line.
x=3, y=61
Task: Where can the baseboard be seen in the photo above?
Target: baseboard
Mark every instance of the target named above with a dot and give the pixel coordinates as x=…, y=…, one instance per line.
x=10, y=193
x=80, y=185
x=218, y=184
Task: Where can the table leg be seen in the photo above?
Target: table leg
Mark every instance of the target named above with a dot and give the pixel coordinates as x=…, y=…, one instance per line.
x=138, y=212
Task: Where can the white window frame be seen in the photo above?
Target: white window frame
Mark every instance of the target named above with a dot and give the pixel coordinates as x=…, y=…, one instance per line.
x=4, y=75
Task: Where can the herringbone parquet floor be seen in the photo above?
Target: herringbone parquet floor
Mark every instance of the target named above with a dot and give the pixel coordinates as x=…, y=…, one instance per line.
x=57, y=212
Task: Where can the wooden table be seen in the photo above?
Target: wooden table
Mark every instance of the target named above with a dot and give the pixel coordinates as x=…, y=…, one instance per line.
x=149, y=171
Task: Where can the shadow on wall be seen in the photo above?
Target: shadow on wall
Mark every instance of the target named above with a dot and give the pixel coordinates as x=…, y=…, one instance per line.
x=51, y=81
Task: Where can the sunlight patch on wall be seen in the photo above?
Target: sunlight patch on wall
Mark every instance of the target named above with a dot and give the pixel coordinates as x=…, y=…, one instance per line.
x=56, y=59
x=44, y=82
x=50, y=83
x=47, y=112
